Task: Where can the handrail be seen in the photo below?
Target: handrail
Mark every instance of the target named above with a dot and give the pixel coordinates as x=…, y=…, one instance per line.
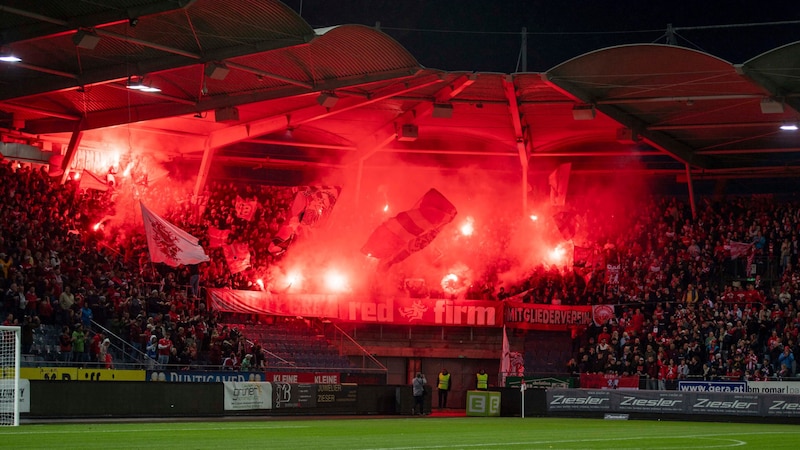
x=143, y=355
x=288, y=363
x=361, y=347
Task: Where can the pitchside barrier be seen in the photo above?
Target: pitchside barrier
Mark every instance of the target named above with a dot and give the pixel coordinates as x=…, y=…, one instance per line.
x=65, y=399
x=679, y=405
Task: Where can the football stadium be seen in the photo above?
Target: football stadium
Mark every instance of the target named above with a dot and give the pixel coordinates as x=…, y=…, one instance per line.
x=254, y=224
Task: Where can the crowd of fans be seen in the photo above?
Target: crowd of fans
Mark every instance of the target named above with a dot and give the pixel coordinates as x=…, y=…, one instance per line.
x=684, y=306
x=63, y=266
x=706, y=297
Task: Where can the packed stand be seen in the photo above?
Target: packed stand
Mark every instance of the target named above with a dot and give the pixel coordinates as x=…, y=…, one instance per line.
x=681, y=310
x=687, y=308
x=74, y=281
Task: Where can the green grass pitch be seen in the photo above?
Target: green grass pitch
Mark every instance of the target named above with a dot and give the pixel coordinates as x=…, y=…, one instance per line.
x=403, y=433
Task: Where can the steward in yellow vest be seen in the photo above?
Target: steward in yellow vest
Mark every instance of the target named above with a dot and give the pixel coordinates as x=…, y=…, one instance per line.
x=482, y=380
x=444, y=388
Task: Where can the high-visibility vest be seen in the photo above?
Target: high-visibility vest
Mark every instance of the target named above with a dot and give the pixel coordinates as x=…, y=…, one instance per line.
x=444, y=381
x=483, y=381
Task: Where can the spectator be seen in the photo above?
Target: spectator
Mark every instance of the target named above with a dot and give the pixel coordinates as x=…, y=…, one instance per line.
x=164, y=350
x=231, y=362
x=786, y=362
x=79, y=345
x=443, y=387
x=29, y=326
x=65, y=345
x=246, y=365
x=65, y=301
x=418, y=392
x=95, y=342
x=86, y=317
x=152, y=352
x=105, y=358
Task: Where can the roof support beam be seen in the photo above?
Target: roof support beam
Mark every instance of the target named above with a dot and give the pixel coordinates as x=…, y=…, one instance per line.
x=448, y=152
x=710, y=126
x=750, y=151
x=118, y=72
x=681, y=99
x=265, y=74
x=387, y=133
x=170, y=98
x=41, y=69
x=72, y=148
x=300, y=144
x=205, y=167
x=522, y=146
x=153, y=45
x=51, y=26
x=56, y=114
x=767, y=83
x=255, y=128
x=690, y=187
x=678, y=150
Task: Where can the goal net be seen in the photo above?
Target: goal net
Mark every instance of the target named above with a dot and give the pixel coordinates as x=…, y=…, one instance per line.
x=10, y=345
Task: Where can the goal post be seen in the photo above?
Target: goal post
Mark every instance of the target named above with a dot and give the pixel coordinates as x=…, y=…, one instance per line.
x=10, y=354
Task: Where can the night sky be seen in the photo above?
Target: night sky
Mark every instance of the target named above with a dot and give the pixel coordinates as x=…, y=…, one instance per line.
x=484, y=36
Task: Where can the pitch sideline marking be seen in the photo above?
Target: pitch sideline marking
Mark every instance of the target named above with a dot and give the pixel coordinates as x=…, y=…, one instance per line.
x=735, y=442
x=149, y=430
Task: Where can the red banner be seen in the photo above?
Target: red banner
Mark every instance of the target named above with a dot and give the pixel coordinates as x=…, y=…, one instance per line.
x=609, y=381
x=398, y=311
x=546, y=317
x=302, y=377
x=422, y=311
x=260, y=302
x=601, y=314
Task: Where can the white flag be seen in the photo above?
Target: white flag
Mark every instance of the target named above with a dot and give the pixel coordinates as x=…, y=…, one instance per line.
x=168, y=243
x=505, y=359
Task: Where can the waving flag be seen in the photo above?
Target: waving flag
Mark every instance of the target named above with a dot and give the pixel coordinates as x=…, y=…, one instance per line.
x=567, y=223
x=245, y=209
x=168, y=243
x=511, y=363
x=583, y=256
x=237, y=255
x=311, y=208
x=738, y=249
x=55, y=162
x=314, y=204
x=217, y=237
x=505, y=359
x=410, y=231
x=91, y=181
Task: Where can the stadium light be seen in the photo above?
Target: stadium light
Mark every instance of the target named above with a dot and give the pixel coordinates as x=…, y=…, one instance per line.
x=7, y=56
x=138, y=84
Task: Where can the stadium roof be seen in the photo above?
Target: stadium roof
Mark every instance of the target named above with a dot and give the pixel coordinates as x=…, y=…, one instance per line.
x=251, y=85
